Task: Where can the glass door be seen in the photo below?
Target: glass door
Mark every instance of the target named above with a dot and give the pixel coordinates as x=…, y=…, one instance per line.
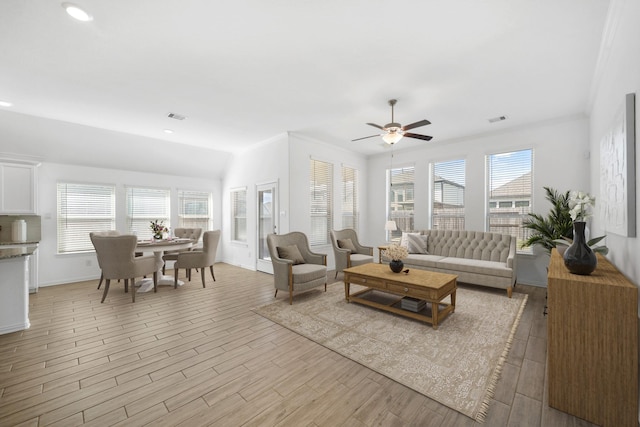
x=267, y=223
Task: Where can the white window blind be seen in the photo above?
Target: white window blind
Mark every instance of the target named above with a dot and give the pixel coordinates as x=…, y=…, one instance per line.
x=145, y=205
x=239, y=215
x=321, y=196
x=350, y=214
x=401, y=199
x=83, y=208
x=447, y=201
x=194, y=209
x=510, y=198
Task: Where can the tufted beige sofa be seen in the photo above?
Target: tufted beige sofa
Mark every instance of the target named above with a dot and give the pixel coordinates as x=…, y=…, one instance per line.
x=480, y=258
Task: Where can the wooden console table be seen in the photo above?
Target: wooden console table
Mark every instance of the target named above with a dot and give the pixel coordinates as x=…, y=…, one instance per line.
x=593, y=344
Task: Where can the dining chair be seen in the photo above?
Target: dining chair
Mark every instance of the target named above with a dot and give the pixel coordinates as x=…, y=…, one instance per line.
x=103, y=233
x=116, y=258
x=201, y=259
x=192, y=234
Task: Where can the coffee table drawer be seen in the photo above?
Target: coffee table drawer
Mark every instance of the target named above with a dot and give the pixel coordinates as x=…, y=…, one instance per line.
x=405, y=290
x=366, y=281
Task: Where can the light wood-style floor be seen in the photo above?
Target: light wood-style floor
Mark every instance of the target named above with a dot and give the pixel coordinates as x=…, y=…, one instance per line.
x=195, y=356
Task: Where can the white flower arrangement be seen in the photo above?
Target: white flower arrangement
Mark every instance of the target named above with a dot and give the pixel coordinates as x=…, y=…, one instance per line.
x=580, y=204
x=395, y=252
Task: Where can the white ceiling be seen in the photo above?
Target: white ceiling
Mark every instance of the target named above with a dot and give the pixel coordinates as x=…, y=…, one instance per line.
x=246, y=70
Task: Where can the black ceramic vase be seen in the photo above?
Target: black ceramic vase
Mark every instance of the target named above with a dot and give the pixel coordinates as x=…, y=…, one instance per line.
x=579, y=258
x=396, y=266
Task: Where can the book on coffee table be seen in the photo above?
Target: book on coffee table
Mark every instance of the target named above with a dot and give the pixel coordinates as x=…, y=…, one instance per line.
x=412, y=304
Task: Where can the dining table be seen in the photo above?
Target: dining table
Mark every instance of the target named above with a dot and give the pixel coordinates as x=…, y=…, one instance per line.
x=158, y=247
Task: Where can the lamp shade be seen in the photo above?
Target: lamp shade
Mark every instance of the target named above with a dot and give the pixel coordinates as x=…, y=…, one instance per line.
x=390, y=226
x=392, y=137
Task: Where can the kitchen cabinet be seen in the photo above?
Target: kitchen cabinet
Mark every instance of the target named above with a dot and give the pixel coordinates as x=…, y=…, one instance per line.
x=18, y=188
x=14, y=289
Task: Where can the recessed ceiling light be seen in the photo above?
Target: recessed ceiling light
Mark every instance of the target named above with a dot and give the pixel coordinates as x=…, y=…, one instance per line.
x=77, y=13
x=5, y=104
x=168, y=131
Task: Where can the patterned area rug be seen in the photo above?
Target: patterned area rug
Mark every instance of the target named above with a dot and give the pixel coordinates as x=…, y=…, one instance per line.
x=457, y=365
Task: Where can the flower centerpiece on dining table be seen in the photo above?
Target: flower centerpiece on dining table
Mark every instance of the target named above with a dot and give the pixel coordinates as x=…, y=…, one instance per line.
x=579, y=258
x=158, y=229
x=396, y=253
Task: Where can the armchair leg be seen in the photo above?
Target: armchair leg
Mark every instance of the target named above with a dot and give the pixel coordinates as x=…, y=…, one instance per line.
x=101, y=279
x=336, y=275
x=155, y=281
x=126, y=285
x=212, y=275
x=106, y=290
x=202, y=276
x=290, y=297
x=325, y=287
x=276, y=294
x=175, y=278
x=133, y=289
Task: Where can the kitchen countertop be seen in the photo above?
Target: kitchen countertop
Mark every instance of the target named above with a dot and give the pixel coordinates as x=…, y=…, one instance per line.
x=16, y=252
x=7, y=243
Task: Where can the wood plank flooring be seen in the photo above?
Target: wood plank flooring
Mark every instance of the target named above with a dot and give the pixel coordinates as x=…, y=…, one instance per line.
x=200, y=357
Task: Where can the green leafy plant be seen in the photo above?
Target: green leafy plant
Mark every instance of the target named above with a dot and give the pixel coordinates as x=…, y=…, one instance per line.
x=557, y=224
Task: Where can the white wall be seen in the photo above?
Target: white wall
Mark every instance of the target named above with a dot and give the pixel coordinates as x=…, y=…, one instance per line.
x=302, y=150
x=618, y=74
x=264, y=163
x=560, y=150
x=56, y=269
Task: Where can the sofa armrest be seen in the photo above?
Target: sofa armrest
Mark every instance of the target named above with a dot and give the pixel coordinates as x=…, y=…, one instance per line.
x=511, y=259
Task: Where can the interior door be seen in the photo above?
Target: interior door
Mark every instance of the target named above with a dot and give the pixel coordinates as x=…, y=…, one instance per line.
x=267, y=203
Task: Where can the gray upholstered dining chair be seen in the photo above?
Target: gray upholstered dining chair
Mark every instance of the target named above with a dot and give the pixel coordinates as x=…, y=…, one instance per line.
x=116, y=258
x=348, y=251
x=102, y=233
x=192, y=234
x=201, y=259
x=295, y=267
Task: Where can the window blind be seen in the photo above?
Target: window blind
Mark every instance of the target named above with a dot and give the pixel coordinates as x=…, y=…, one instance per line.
x=145, y=205
x=81, y=209
x=401, y=199
x=350, y=214
x=239, y=215
x=321, y=196
x=194, y=209
x=509, y=189
x=447, y=200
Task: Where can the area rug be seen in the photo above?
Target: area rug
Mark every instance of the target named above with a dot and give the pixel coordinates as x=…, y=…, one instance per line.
x=457, y=365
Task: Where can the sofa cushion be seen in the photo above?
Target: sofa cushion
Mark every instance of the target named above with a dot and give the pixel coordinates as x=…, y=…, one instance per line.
x=491, y=268
x=422, y=260
x=291, y=253
x=404, y=240
x=303, y=273
x=416, y=244
x=347, y=244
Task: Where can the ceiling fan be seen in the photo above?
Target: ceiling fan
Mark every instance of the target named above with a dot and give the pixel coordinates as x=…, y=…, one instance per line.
x=393, y=132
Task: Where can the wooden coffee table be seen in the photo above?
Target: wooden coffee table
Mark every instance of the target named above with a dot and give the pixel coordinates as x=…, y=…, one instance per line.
x=420, y=284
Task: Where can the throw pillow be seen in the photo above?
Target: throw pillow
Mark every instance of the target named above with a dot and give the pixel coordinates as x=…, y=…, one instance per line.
x=416, y=244
x=347, y=244
x=292, y=253
x=404, y=242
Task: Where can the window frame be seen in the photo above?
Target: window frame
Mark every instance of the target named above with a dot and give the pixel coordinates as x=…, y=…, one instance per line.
x=187, y=220
x=448, y=172
x=140, y=224
x=405, y=222
x=350, y=187
x=320, y=202
x=235, y=214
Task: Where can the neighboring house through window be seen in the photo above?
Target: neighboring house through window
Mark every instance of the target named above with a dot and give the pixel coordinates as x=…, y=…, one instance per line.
x=145, y=205
x=194, y=209
x=401, y=200
x=447, y=201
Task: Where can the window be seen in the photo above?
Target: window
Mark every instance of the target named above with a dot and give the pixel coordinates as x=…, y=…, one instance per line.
x=510, y=182
x=83, y=208
x=239, y=215
x=321, y=189
x=145, y=205
x=194, y=209
x=350, y=214
x=447, y=201
x=401, y=200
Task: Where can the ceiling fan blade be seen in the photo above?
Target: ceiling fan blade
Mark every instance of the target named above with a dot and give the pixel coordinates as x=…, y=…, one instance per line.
x=418, y=136
x=376, y=126
x=364, y=137
x=416, y=125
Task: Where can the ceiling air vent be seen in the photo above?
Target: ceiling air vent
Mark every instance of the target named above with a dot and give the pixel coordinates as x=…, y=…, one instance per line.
x=497, y=119
x=176, y=116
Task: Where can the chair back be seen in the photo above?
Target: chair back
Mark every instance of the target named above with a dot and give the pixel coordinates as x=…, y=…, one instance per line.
x=210, y=240
x=115, y=255
x=347, y=233
x=102, y=233
x=296, y=238
x=188, y=233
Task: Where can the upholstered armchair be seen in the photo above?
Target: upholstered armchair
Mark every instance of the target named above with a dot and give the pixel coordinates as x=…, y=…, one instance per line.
x=192, y=234
x=201, y=259
x=116, y=258
x=105, y=233
x=295, y=267
x=348, y=251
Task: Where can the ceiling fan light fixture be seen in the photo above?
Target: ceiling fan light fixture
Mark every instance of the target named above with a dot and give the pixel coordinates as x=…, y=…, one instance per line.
x=392, y=137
